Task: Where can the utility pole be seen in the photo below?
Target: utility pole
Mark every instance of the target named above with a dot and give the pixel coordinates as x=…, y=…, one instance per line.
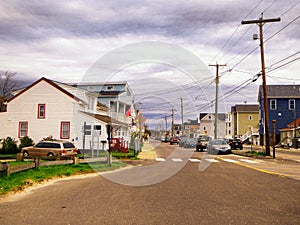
x=172, y=122
x=260, y=22
x=217, y=96
x=182, y=126
x=166, y=121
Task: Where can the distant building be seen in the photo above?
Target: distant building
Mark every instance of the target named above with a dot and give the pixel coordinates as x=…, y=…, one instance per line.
x=191, y=128
x=228, y=125
x=207, y=124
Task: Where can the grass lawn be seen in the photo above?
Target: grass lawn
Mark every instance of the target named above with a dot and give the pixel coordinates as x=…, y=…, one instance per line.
x=18, y=181
x=256, y=153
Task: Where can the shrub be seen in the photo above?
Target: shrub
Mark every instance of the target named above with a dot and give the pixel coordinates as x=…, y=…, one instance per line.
x=9, y=146
x=26, y=142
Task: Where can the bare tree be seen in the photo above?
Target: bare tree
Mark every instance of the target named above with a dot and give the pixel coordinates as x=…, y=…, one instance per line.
x=8, y=83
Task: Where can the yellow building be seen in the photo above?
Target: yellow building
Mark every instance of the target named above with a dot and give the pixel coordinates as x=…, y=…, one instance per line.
x=245, y=120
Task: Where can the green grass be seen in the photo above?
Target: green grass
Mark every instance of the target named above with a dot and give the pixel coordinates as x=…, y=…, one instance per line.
x=18, y=181
x=120, y=155
x=19, y=163
x=256, y=153
x=8, y=156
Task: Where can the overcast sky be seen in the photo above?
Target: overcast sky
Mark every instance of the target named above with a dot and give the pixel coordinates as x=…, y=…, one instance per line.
x=62, y=40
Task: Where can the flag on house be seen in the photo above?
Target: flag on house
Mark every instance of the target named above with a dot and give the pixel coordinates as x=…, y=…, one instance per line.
x=128, y=112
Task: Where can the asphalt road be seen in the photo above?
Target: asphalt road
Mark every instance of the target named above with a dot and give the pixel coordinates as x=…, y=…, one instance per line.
x=224, y=193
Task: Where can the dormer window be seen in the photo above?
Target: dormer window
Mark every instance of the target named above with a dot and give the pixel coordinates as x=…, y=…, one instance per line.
x=41, y=111
x=109, y=88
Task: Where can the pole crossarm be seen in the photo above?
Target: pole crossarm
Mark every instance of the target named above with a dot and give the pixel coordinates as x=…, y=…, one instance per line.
x=261, y=20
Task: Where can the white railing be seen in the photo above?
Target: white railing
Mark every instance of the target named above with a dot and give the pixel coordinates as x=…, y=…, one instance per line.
x=248, y=134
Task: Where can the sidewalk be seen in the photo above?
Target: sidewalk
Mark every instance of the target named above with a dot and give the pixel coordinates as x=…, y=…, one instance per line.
x=148, y=151
x=280, y=153
x=286, y=162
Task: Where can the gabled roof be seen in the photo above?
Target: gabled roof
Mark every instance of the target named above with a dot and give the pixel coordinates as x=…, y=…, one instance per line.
x=52, y=83
x=292, y=124
x=281, y=91
x=221, y=116
x=105, y=119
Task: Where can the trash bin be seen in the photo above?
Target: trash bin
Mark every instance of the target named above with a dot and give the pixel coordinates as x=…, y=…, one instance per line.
x=296, y=143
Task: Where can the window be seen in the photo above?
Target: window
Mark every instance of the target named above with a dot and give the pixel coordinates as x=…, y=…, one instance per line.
x=204, y=128
x=23, y=129
x=65, y=130
x=121, y=108
x=91, y=103
x=292, y=104
x=113, y=106
x=273, y=104
x=109, y=88
x=250, y=117
x=41, y=111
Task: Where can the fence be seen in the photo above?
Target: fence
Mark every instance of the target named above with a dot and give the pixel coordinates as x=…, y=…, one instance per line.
x=5, y=167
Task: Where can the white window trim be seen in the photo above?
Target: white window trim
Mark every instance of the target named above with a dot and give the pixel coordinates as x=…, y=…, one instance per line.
x=292, y=100
x=272, y=104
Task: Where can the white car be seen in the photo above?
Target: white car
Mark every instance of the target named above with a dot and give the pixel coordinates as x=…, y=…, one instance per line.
x=216, y=146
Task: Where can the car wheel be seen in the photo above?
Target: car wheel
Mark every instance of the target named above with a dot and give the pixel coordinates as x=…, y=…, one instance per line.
x=50, y=154
x=25, y=153
x=241, y=148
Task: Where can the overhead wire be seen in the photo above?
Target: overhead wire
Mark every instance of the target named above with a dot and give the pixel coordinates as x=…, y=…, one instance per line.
x=233, y=33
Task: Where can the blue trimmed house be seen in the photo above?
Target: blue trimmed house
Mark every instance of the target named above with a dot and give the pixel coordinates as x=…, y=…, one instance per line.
x=283, y=106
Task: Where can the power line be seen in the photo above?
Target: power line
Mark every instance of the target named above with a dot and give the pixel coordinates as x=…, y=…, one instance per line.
x=233, y=33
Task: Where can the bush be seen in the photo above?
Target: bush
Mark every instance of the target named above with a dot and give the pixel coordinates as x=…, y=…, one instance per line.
x=26, y=142
x=9, y=146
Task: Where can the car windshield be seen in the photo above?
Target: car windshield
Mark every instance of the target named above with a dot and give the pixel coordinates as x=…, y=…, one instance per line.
x=218, y=142
x=204, y=138
x=191, y=140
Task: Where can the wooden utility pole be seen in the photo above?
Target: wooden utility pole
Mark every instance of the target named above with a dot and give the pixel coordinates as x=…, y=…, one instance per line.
x=260, y=22
x=217, y=96
x=172, y=122
x=182, y=125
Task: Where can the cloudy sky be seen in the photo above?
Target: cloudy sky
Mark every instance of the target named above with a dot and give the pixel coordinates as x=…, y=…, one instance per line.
x=62, y=40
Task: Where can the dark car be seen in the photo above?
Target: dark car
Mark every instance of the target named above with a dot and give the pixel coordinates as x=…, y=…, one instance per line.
x=182, y=140
x=202, y=142
x=235, y=143
x=165, y=139
x=174, y=140
x=190, y=143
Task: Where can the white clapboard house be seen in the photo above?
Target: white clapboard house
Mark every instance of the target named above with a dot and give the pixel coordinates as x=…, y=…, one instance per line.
x=49, y=108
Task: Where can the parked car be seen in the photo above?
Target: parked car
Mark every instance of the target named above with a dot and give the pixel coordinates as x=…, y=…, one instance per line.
x=202, y=142
x=165, y=139
x=182, y=140
x=50, y=149
x=174, y=140
x=190, y=143
x=235, y=143
x=216, y=146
